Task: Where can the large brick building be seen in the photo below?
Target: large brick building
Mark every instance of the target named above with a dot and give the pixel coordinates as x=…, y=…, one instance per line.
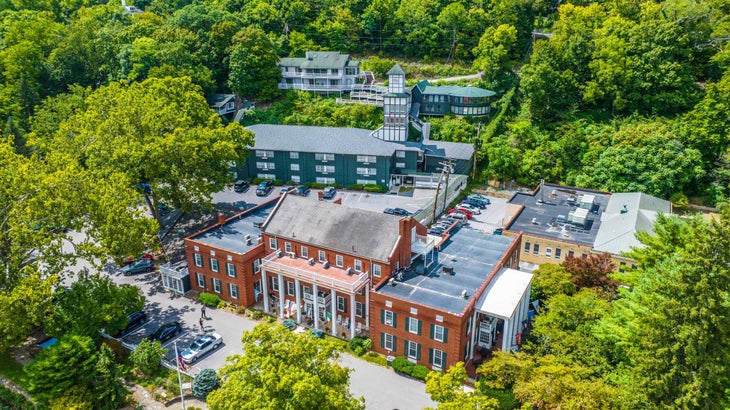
x=353, y=272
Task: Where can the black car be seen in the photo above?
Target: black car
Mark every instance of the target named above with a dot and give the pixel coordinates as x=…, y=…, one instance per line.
x=264, y=188
x=329, y=192
x=302, y=190
x=139, y=266
x=166, y=332
x=135, y=319
x=241, y=186
x=389, y=211
x=401, y=212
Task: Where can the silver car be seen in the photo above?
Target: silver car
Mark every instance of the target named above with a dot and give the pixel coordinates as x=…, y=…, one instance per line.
x=201, y=346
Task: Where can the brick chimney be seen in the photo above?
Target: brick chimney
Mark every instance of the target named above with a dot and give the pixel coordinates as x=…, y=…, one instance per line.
x=221, y=219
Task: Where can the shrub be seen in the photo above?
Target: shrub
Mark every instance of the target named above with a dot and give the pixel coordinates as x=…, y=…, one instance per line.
x=402, y=365
x=146, y=356
x=204, y=383
x=375, y=188
x=289, y=324
x=315, y=185
x=209, y=299
x=291, y=182
x=278, y=182
x=255, y=314
x=257, y=181
x=360, y=345
x=420, y=372
x=356, y=187
x=12, y=400
x=317, y=333
x=222, y=304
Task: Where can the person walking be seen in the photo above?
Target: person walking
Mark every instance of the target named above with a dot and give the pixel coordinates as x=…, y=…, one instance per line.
x=202, y=326
x=202, y=312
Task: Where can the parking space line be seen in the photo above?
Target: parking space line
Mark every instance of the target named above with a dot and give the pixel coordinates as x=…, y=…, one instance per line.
x=175, y=338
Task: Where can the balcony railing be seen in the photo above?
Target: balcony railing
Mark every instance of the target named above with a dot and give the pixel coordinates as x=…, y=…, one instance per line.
x=270, y=262
x=422, y=244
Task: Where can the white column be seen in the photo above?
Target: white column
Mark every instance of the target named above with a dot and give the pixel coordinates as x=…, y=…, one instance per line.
x=333, y=301
x=298, y=293
x=352, y=315
x=367, y=305
x=505, y=337
x=474, y=331
x=265, y=287
x=282, y=294
x=316, y=305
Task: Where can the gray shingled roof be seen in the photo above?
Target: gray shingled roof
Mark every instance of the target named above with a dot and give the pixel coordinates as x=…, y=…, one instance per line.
x=319, y=59
x=444, y=149
x=372, y=235
x=299, y=138
x=396, y=70
x=617, y=233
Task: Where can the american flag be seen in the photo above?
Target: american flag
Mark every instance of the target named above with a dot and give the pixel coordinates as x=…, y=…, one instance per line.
x=180, y=363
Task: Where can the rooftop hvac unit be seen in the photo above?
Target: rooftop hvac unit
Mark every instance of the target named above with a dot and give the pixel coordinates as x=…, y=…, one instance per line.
x=392, y=281
x=348, y=270
x=247, y=238
x=279, y=253
x=248, y=241
x=449, y=270
x=326, y=264
x=311, y=261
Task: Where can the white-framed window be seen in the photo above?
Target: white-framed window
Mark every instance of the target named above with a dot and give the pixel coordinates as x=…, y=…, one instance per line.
x=536, y=249
x=290, y=288
x=305, y=252
x=325, y=169
x=341, y=304
x=274, y=283
x=400, y=154
x=358, y=265
x=265, y=166
x=264, y=175
x=321, y=256
x=367, y=159
x=198, y=260
x=527, y=247
x=557, y=253
x=231, y=270
x=367, y=171
x=359, y=309
x=388, y=342
x=214, y=265
x=376, y=270
x=201, y=279
x=264, y=154
x=389, y=318
x=400, y=164
x=294, y=155
x=412, y=350
x=257, y=266
x=548, y=252
x=296, y=178
x=438, y=333
x=339, y=261
x=366, y=181
x=325, y=180
x=287, y=247
x=413, y=325
x=324, y=157
x=217, y=288
x=438, y=358
x=294, y=167
x=233, y=290
x=272, y=243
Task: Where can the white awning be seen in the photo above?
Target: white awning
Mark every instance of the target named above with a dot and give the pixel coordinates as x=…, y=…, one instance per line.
x=504, y=293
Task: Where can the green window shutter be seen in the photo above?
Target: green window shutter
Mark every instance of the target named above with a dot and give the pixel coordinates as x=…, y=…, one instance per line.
x=408, y=324
x=432, y=327
x=382, y=340
x=395, y=322
x=418, y=351
x=420, y=327
x=382, y=316
x=444, y=365
x=405, y=348
x=446, y=333
x=395, y=344
x=430, y=355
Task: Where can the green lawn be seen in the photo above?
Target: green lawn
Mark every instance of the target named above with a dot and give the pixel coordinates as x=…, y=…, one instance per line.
x=12, y=370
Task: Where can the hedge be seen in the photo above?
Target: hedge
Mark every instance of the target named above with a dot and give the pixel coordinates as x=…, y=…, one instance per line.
x=12, y=400
x=402, y=365
x=209, y=299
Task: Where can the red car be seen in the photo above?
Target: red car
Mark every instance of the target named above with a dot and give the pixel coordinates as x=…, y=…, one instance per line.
x=466, y=213
x=131, y=259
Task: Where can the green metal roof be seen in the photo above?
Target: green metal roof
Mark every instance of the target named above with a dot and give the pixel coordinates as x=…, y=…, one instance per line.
x=318, y=59
x=396, y=70
x=457, y=91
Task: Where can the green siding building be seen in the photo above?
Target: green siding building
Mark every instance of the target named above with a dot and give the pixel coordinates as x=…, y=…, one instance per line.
x=441, y=100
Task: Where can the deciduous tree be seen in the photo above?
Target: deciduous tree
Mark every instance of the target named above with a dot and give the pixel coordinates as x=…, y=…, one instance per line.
x=592, y=272
x=448, y=390
x=253, y=65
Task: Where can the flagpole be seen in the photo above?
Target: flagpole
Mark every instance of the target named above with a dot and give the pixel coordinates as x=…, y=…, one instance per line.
x=179, y=378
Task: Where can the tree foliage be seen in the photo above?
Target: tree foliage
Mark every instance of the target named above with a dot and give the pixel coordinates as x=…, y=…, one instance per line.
x=204, y=383
x=283, y=370
x=448, y=390
x=253, y=65
x=551, y=280
x=146, y=356
x=592, y=272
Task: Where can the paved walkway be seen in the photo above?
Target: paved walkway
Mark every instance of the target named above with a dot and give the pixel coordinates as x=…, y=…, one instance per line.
x=458, y=78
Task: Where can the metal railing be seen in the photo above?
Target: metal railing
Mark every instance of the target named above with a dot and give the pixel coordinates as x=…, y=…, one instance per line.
x=270, y=262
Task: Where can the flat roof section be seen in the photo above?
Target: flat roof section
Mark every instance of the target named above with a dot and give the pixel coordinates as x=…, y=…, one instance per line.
x=231, y=236
x=547, y=213
x=504, y=293
x=470, y=253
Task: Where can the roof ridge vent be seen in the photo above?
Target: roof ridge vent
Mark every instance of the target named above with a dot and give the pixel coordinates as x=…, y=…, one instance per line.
x=624, y=209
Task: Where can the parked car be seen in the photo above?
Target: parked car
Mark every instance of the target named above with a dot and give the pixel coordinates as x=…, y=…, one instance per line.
x=302, y=190
x=467, y=214
x=131, y=259
x=329, y=192
x=166, y=332
x=264, y=188
x=140, y=266
x=241, y=186
x=475, y=202
x=472, y=209
x=389, y=211
x=435, y=231
x=401, y=212
x=201, y=346
x=285, y=189
x=135, y=319
x=479, y=197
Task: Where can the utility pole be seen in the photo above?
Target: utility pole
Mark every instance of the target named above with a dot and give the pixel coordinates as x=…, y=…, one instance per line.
x=445, y=170
x=448, y=166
